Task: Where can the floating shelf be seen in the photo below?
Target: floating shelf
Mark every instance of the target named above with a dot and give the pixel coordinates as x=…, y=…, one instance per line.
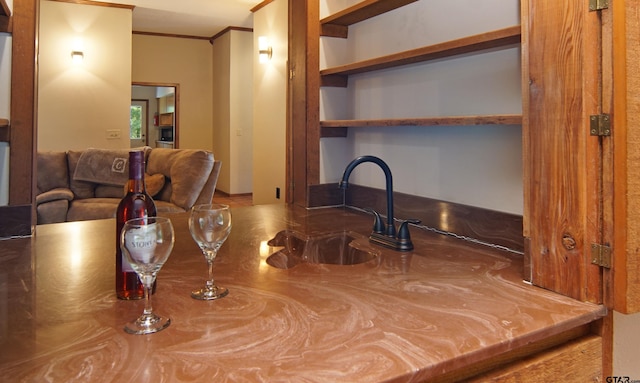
x=337, y=76
x=337, y=25
x=5, y=17
x=4, y=130
x=338, y=128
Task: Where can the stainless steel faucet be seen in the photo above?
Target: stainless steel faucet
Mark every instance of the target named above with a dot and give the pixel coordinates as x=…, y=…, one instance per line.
x=382, y=234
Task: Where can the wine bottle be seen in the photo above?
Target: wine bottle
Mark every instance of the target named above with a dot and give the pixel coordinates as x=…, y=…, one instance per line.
x=135, y=204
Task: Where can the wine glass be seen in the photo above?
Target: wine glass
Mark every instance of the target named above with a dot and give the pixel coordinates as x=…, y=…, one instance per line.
x=210, y=225
x=146, y=244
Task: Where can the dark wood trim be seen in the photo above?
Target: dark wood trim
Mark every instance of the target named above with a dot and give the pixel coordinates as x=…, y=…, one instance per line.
x=98, y=3
x=261, y=5
x=475, y=223
x=228, y=29
x=170, y=35
x=22, y=134
x=304, y=96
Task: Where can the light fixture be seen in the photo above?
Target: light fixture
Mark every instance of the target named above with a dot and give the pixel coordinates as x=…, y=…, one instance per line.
x=264, y=49
x=77, y=57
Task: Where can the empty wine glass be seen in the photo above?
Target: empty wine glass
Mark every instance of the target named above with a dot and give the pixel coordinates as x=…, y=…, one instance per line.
x=210, y=225
x=146, y=244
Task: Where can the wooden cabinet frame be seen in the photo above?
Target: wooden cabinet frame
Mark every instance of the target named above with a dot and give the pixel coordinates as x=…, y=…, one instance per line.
x=578, y=191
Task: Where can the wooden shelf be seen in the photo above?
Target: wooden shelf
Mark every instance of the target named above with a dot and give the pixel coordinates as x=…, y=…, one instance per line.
x=337, y=25
x=338, y=128
x=5, y=17
x=337, y=76
x=4, y=130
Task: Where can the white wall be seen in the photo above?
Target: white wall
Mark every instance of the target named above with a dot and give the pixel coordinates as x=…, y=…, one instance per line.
x=241, y=104
x=269, y=105
x=626, y=345
x=78, y=104
x=233, y=110
x=475, y=165
x=5, y=109
x=221, y=109
x=5, y=75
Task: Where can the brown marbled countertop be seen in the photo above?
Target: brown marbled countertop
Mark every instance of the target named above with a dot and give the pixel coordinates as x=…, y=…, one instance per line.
x=402, y=316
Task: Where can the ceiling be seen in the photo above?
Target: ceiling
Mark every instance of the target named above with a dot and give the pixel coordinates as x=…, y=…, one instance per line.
x=202, y=18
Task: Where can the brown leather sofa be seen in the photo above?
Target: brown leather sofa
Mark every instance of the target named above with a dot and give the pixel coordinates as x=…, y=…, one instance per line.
x=177, y=179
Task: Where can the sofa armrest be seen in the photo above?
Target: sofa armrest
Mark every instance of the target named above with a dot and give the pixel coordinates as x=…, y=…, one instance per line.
x=206, y=195
x=54, y=195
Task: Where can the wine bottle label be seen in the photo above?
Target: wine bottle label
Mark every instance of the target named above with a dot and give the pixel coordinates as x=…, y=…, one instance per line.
x=141, y=243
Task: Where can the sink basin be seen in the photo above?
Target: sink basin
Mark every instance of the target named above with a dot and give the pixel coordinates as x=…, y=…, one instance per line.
x=341, y=248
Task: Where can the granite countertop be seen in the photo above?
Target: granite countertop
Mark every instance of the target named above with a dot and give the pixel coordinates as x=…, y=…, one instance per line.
x=401, y=316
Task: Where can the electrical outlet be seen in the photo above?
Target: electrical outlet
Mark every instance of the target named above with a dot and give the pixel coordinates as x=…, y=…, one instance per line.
x=113, y=134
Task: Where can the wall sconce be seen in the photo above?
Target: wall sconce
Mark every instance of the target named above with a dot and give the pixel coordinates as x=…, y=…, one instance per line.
x=77, y=57
x=264, y=49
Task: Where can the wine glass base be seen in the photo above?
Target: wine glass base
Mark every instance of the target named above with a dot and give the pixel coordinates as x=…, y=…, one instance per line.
x=210, y=294
x=147, y=324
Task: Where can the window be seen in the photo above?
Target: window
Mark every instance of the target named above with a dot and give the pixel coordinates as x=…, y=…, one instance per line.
x=135, y=123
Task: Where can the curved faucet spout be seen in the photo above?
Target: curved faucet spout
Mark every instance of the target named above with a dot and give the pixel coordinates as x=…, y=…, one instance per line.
x=390, y=229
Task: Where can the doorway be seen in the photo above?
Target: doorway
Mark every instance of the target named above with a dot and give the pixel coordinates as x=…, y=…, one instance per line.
x=139, y=123
x=159, y=124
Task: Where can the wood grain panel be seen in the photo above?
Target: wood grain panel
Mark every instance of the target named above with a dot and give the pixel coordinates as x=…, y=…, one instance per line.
x=304, y=99
x=562, y=161
x=23, y=122
x=578, y=361
x=626, y=136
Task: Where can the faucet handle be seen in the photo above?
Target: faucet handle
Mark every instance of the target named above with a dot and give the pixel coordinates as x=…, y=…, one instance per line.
x=378, y=225
x=403, y=230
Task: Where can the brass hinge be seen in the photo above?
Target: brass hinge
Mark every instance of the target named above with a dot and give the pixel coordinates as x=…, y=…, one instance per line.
x=601, y=255
x=597, y=5
x=600, y=125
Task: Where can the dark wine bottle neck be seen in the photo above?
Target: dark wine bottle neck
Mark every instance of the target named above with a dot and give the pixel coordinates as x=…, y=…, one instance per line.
x=136, y=172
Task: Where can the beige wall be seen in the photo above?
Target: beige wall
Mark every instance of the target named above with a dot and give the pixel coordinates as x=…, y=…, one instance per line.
x=78, y=104
x=269, y=105
x=188, y=63
x=233, y=110
x=221, y=108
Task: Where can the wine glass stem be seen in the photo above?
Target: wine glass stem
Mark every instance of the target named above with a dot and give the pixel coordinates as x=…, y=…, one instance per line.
x=147, y=300
x=210, y=283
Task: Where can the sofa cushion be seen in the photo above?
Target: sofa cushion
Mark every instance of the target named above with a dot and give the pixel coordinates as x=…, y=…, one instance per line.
x=52, y=171
x=54, y=195
x=92, y=208
x=188, y=171
x=167, y=207
x=153, y=183
x=52, y=212
x=108, y=191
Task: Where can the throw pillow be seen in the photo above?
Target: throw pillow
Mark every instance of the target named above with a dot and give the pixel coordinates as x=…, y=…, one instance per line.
x=153, y=182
